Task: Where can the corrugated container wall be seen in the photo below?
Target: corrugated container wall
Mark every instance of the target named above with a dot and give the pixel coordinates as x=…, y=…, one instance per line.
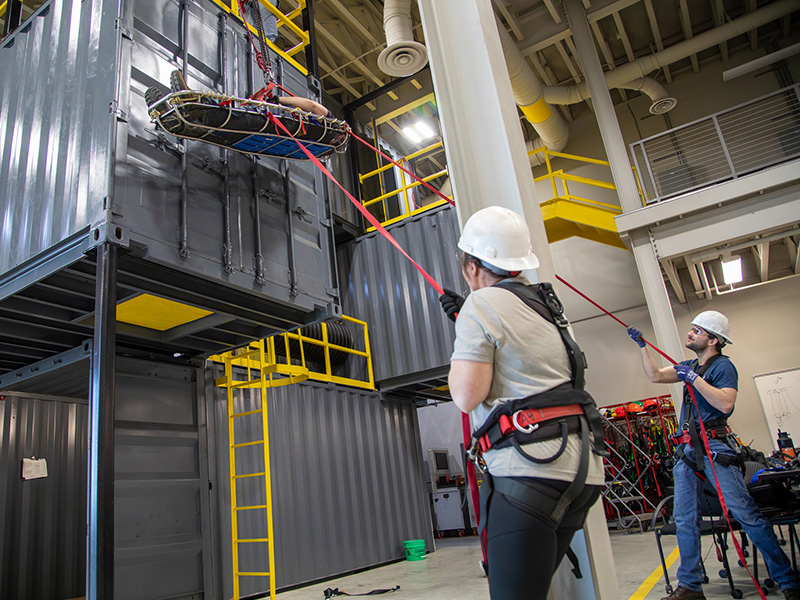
x=42, y=521
x=80, y=159
x=409, y=334
x=162, y=536
x=348, y=485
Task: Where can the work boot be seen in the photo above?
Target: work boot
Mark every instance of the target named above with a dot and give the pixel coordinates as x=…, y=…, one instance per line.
x=683, y=593
x=792, y=594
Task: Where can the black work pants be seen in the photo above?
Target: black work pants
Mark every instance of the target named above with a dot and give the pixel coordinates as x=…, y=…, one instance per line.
x=524, y=547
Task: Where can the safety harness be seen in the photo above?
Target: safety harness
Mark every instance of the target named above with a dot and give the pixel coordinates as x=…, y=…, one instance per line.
x=555, y=413
x=715, y=429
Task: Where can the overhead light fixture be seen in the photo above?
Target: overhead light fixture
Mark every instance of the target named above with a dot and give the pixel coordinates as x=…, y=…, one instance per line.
x=418, y=132
x=411, y=133
x=732, y=269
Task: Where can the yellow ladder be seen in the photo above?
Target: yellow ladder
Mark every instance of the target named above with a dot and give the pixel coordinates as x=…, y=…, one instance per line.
x=252, y=354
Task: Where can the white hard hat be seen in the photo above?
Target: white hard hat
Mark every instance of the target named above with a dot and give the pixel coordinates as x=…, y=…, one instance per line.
x=714, y=322
x=499, y=237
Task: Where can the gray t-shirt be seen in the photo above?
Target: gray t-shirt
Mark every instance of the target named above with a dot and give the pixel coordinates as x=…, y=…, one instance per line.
x=495, y=326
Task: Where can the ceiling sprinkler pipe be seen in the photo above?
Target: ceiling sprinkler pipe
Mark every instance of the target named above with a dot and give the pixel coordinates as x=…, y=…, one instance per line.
x=403, y=56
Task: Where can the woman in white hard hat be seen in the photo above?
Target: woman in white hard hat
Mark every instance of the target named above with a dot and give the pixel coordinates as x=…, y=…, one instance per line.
x=513, y=369
x=715, y=381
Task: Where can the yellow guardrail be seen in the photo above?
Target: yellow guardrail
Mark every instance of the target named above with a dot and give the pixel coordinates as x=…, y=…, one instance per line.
x=564, y=178
x=278, y=368
x=284, y=20
x=406, y=185
x=3, y=8
x=258, y=366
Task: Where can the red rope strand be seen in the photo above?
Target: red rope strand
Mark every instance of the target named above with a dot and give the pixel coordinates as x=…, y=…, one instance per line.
x=704, y=437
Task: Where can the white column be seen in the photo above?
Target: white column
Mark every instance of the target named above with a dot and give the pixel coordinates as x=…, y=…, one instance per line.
x=486, y=153
x=655, y=292
x=489, y=165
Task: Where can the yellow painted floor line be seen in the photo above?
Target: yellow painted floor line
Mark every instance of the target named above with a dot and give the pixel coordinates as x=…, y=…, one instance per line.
x=651, y=581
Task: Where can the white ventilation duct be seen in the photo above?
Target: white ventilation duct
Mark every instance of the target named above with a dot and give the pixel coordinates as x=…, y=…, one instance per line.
x=403, y=56
x=527, y=89
x=572, y=94
x=647, y=64
x=533, y=98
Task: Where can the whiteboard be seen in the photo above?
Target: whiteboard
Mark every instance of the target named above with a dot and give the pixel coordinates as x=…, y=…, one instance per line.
x=780, y=397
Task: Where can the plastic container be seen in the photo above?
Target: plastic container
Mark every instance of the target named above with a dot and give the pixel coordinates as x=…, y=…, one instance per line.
x=785, y=444
x=415, y=549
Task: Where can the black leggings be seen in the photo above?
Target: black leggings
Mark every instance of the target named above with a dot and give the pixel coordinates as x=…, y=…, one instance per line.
x=525, y=549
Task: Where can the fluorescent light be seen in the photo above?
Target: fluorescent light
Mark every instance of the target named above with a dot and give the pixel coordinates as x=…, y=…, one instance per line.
x=418, y=132
x=732, y=269
x=411, y=133
x=424, y=130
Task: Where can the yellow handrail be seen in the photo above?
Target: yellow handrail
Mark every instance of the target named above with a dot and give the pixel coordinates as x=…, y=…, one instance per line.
x=3, y=8
x=285, y=372
x=232, y=7
x=416, y=154
x=405, y=187
x=565, y=177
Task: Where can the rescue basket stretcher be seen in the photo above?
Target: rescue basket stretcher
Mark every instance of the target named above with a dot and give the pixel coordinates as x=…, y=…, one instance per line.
x=245, y=125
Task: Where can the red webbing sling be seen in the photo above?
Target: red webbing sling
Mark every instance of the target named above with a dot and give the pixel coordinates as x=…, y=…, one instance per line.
x=703, y=436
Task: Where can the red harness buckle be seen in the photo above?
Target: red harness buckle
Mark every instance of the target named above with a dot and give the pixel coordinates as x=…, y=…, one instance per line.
x=528, y=420
x=685, y=438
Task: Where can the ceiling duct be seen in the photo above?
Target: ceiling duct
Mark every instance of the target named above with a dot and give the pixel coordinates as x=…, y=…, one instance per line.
x=533, y=98
x=528, y=94
x=403, y=55
x=661, y=102
x=647, y=64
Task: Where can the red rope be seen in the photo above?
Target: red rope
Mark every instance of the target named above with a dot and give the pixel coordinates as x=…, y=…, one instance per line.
x=704, y=437
x=401, y=167
x=259, y=56
x=367, y=215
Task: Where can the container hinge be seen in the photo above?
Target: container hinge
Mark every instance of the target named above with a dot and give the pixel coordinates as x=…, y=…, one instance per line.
x=325, y=222
x=332, y=292
x=303, y=214
x=114, y=109
x=126, y=33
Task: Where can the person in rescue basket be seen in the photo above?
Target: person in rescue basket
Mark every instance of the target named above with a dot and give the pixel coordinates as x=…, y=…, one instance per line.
x=715, y=382
x=519, y=374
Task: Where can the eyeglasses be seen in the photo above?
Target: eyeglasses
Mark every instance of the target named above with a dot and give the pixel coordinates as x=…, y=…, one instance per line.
x=699, y=331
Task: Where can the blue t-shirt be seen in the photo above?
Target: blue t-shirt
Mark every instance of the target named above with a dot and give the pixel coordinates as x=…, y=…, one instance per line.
x=721, y=374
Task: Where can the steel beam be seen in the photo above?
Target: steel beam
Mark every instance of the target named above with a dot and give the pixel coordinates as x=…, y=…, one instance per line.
x=100, y=492
x=646, y=261
x=488, y=164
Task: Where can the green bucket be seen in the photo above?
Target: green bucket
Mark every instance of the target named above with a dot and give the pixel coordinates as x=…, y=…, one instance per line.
x=415, y=549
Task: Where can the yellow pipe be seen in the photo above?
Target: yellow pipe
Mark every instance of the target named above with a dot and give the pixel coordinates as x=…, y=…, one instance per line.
x=538, y=112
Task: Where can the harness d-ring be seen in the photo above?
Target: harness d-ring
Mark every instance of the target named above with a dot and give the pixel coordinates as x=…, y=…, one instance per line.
x=526, y=429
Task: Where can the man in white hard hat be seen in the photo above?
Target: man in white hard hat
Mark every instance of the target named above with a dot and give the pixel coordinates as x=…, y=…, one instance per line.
x=519, y=378
x=715, y=382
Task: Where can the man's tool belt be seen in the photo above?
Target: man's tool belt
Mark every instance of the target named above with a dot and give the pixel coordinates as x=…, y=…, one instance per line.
x=551, y=414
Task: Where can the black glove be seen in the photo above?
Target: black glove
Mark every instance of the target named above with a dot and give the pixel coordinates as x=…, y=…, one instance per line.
x=451, y=303
x=636, y=336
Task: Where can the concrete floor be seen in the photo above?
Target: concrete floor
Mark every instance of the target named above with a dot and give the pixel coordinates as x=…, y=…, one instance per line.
x=451, y=572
